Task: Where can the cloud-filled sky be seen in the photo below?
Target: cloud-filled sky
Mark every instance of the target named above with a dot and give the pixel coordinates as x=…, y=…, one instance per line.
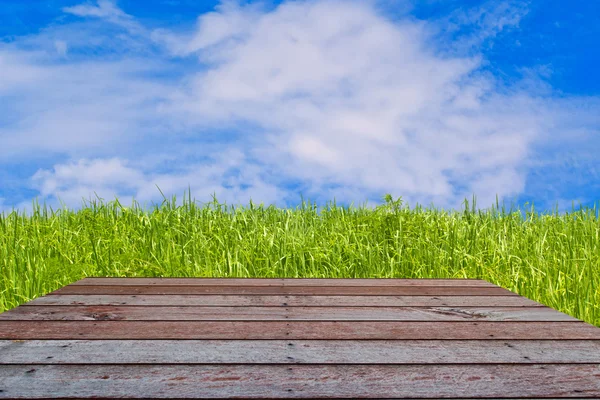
x=434, y=101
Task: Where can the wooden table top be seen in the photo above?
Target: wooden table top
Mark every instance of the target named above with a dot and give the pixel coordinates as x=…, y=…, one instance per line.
x=293, y=338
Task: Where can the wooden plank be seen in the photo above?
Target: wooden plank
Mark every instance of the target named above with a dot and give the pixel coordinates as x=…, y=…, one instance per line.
x=295, y=290
x=281, y=282
x=161, y=313
x=284, y=381
x=301, y=352
x=341, y=330
x=290, y=301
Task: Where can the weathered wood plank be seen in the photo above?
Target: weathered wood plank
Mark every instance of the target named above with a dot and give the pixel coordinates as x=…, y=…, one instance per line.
x=291, y=301
x=341, y=330
x=301, y=352
x=162, y=313
x=295, y=290
x=281, y=282
x=331, y=381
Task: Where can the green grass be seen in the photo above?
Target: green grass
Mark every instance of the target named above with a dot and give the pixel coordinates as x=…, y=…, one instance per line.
x=551, y=259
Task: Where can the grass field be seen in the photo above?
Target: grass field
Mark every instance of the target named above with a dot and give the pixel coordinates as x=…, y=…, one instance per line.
x=551, y=259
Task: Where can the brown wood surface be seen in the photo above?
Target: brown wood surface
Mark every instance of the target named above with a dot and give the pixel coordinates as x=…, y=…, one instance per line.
x=342, y=330
x=294, y=338
x=294, y=290
x=299, y=351
x=280, y=282
x=288, y=300
x=161, y=313
x=293, y=381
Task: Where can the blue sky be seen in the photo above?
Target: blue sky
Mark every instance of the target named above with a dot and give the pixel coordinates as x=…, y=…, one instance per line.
x=434, y=101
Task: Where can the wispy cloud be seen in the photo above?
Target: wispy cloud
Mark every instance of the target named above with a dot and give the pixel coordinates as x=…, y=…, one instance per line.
x=107, y=10
x=470, y=30
x=329, y=98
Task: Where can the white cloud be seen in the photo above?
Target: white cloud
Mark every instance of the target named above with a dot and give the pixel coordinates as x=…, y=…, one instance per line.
x=109, y=11
x=87, y=173
x=228, y=23
x=74, y=181
x=85, y=107
x=327, y=93
x=61, y=47
x=485, y=22
x=104, y=9
x=363, y=102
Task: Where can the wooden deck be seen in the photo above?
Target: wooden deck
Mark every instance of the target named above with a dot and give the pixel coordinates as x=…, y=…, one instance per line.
x=294, y=338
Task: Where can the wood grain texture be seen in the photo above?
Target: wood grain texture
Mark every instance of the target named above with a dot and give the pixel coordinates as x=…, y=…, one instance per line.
x=299, y=351
x=162, y=313
x=293, y=381
x=201, y=338
x=342, y=330
x=352, y=282
x=288, y=300
x=293, y=290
